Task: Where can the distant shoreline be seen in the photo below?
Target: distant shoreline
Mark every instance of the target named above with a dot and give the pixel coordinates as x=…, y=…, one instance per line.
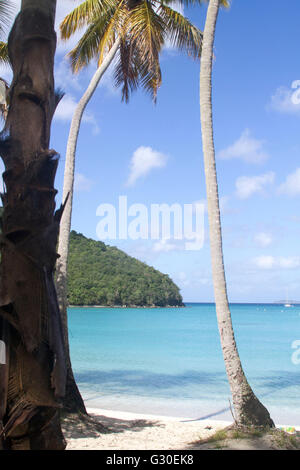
x=126, y=306
x=181, y=306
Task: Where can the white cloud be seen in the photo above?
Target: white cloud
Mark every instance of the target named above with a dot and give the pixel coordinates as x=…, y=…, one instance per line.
x=263, y=239
x=270, y=262
x=143, y=161
x=164, y=246
x=290, y=262
x=64, y=77
x=66, y=109
x=291, y=186
x=182, y=279
x=248, y=185
x=264, y=262
x=246, y=148
x=82, y=183
x=284, y=100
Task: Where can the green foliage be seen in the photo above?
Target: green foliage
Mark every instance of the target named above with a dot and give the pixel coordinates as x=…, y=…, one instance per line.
x=142, y=26
x=99, y=274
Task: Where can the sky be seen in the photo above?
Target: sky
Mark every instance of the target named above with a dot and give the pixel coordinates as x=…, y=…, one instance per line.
x=152, y=154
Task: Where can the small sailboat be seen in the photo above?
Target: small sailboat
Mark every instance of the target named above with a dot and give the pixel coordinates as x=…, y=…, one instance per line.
x=287, y=303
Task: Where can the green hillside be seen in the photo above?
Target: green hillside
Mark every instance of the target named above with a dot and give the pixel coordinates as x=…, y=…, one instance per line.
x=103, y=275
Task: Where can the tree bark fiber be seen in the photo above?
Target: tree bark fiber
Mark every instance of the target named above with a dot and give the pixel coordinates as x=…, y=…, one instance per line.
x=33, y=379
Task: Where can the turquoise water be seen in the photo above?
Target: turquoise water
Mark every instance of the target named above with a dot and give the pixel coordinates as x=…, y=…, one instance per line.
x=168, y=361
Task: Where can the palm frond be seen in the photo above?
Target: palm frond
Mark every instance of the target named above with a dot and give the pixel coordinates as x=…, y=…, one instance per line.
x=126, y=71
x=83, y=15
x=150, y=79
x=87, y=47
x=6, y=15
x=4, y=58
x=147, y=30
x=114, y=27
x=224, y=3
x=182, y=33
x=98, y=36
x=132, y=71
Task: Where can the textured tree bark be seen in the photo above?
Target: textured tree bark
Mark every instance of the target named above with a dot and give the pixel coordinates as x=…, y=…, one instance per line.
x=248, y=409
x=32, y=381
x=73, y=401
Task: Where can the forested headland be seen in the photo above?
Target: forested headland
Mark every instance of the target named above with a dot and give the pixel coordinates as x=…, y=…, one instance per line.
x=99, y=274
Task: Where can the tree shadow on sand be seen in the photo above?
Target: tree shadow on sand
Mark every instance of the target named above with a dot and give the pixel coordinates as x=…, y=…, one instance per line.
x=98, y=424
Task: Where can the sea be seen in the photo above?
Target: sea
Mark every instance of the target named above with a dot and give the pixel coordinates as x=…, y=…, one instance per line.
x=168, y=361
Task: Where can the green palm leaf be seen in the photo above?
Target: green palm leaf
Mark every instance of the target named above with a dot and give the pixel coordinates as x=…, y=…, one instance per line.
x=142, y=25
x=83, y=15
x=89, y=44
x=223, y=3
x=147, y=30
x=132, y=70
x=182, y=33
x=127, y=70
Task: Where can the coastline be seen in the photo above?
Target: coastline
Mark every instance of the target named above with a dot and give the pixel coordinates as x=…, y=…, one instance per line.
x=126, y=306
x=126, y=415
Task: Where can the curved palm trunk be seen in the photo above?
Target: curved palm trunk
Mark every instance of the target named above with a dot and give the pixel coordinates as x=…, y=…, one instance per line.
x=32, y=379
x=73, y=400
x=248, y=409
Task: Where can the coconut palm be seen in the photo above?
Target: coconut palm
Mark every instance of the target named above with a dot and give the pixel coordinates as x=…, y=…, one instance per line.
x=134, y=33
x=248, y=409
x=32, y=380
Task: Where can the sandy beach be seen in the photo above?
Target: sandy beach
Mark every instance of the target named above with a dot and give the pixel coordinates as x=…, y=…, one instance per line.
x=138, y=431
x=130, y=431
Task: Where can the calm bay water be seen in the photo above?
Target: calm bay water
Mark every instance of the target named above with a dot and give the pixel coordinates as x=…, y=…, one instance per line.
x=168, y=361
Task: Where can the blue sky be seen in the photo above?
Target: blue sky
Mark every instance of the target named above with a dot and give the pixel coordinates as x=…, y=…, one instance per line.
x=256, y=124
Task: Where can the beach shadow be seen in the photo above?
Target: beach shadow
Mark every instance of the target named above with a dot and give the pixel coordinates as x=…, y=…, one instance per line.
x=211, y=415
x=74, y=428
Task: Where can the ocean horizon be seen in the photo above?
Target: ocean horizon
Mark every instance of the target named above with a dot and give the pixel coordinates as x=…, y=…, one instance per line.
x=168, y=361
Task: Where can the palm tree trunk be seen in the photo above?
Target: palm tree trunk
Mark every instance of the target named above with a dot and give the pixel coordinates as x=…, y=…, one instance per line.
x=248, y=409
x=73, y=401
x=32, y=381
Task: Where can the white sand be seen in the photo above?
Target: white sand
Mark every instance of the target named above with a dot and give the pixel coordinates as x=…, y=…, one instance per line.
x=132, y=431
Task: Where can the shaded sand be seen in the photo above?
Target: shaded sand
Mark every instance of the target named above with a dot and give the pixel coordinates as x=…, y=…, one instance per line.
x=129, y=431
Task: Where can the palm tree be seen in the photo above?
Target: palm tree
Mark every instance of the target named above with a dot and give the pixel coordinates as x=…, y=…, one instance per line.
x=32, y=381
x=136, y=31
x=248, y=409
